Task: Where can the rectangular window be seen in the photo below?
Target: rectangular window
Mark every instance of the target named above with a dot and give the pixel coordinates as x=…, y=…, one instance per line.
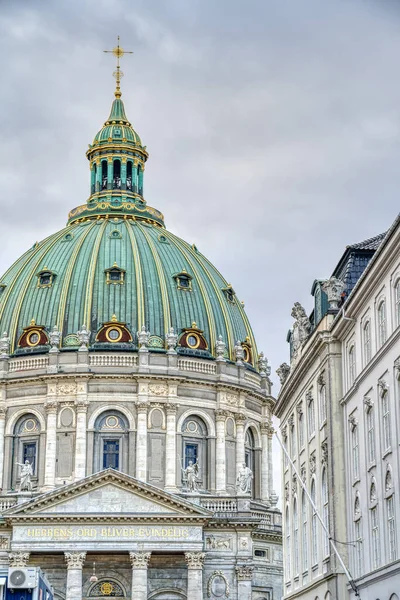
x=29, y=453
x=110, y=454
x=391, y=529
x=191, y=453
x=322, y=404
x=382, y=323
x=356, y=454
x=311, y=418
x=352, y=365
x=386, y=421
x=293, y=449
x=367, y=343
x=375, y=538
x=371, y=436
x=305, y=532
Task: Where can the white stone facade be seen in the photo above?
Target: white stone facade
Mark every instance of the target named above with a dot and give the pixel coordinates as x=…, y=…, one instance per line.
x=65, y=407
x=370, y=337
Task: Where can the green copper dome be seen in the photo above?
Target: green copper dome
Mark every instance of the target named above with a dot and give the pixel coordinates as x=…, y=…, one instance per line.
x=116, y=262
x=149, y=258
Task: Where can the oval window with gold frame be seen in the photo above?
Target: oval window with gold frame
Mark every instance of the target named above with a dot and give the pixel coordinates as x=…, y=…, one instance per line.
x=33, y=338
x=114, y=334
x=193, y=340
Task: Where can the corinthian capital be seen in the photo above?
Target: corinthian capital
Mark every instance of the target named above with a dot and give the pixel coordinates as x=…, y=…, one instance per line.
x=195, y=560
x=139, y=560
x=75, y=560
x=244, y=572
x=18, y=559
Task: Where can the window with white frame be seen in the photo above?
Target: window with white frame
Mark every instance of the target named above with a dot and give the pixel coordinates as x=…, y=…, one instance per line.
x=304, y=533
x=325, y=509
x=295, y=538
x=375, y=538
x=352, y=365
x=311, y=415
x=367, y=342
x=386, y=421
x=293, y=448
x=322, y=403
x=370, y=435
x=285, y=444
x=288, y=546
x=391, y=528
x=358, y=549
x=397, y=301
x=382, y=323
x=314, y=530
x=355, y=450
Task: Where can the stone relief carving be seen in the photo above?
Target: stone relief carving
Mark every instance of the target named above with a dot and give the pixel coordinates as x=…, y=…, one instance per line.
x=215, y=543
x=313, y=463
x=18, y=559
x=4, y=543
x=218, y=585
x=139, y=560
x=299, y=409
x=303, y=473
x=195, y=560
x=244, y=572
x=291, y=421
x=324, y=452
x=397, y=367
x=353, y=421
x=368, y=403
x=294, y=484
x=287, y=495
x=321, y=379
x=75, y=560
x=243, y=543
x=158, y=389
x=388, y=481
x=232, y=399
x=333, y=288
x=383, y=387
x=309, y=396
x=66, y=389
x=283, y=372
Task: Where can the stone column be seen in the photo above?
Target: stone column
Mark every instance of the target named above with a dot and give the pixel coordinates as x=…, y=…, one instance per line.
x=244, y=575
x=75, y=562
x=265, y=490
x=18, y=559
x=139, y=562
x=195, y=562
x=141, y=441
x=240, y=419
x=80, y=442
x=3, y=412
x=220, y=452
x=51, y=444
x=170, y=447
x=270, y=468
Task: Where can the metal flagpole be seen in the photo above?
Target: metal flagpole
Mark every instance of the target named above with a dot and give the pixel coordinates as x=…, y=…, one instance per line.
x=347, y=573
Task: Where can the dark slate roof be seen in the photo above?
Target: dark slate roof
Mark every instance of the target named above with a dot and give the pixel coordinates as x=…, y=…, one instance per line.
x=355, y=260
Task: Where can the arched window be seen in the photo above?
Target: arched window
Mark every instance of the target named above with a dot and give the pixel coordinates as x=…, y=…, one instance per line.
x=104, y=174
x=386, y=421
x=371, y=435
x=295, y=538
x=358, y=549
x=140, y=180
x=129, y=176
x=325, y=509
x=322, y=403
x=107, y=588
x=26, y=448
x=314, y=531
x=117, y=174
x=367, y=342
x=288, y=546
x=111, y=442
x=94, y=177
x=382, y=323
x=391, y=529
x=249, y=447
x=304, y=533
x=352, y=365
x=194, y=449
x=376, y=559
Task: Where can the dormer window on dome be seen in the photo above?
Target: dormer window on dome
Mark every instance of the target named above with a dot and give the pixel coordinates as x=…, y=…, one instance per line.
x=114, y=332
x=193, y=338
x=33, y=335
x=229, y=293
x=183, y=281
x=115, y=275
x=45, y=278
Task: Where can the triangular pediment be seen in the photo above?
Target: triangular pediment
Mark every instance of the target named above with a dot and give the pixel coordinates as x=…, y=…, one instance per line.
x=105, y=493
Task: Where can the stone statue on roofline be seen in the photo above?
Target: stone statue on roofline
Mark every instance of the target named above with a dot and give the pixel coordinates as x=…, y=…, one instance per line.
x=54, y=338
x=84, y=338
x=239, y=353
x=301, y=327
x=143, y=339
x=171, y=338
x=283, y=372
x=220, y=348
x=263, y=366
x=4, y=345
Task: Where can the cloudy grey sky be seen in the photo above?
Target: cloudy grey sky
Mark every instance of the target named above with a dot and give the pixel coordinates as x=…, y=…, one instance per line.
x=273, y=128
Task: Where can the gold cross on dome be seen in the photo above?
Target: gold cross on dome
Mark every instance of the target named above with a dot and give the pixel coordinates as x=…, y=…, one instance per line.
x=118, y=74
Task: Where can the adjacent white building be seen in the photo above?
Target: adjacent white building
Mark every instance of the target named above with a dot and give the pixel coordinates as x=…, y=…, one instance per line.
x=340, y=416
